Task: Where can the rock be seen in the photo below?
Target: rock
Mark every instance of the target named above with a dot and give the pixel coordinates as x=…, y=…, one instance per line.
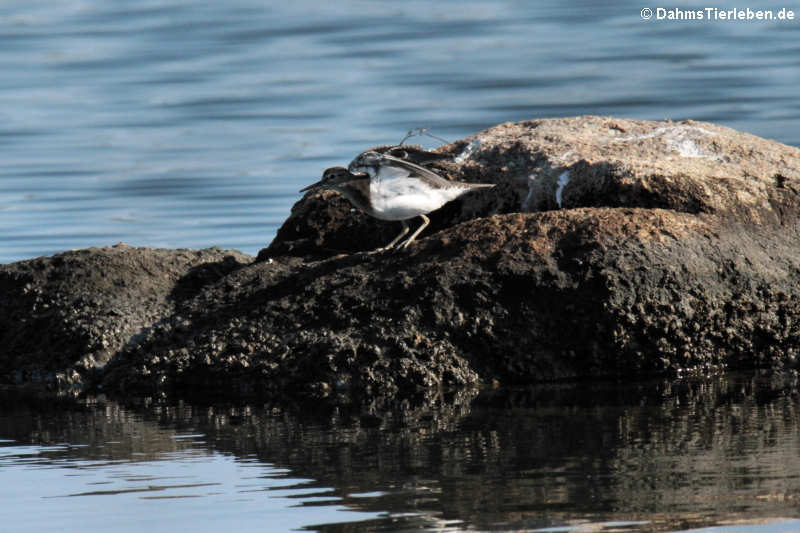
x=539, y=165
x=610, y=248
x=65, y=315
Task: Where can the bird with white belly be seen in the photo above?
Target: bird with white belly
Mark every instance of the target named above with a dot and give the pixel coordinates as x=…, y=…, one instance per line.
x=390, y=188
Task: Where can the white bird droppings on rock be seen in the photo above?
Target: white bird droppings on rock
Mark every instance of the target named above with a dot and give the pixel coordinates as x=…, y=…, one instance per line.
x=563, y=179
x=678, y=138
x=468, y=151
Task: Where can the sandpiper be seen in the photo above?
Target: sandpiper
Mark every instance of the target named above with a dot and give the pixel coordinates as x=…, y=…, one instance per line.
x=391, y=188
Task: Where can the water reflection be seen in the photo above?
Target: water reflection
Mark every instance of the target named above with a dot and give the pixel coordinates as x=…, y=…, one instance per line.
x=648, y=456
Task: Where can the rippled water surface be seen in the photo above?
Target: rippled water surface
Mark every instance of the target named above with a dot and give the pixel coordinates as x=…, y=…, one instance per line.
x=191, y=124
x=660, y=456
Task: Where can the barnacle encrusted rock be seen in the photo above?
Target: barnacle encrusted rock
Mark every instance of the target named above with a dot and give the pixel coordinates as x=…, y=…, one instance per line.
x=610, y=247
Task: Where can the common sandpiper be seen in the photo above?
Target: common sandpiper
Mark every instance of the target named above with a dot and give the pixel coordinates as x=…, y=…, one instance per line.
x=391, y=188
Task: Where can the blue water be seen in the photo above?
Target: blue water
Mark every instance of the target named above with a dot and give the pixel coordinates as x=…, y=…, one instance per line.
x=55, y=488
x=190, y=124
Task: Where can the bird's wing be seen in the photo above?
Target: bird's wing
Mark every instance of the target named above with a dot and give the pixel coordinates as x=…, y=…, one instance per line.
x=412, y=170
x=388, y=167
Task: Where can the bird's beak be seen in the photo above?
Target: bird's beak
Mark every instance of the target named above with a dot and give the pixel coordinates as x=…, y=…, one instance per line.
x=312, y=186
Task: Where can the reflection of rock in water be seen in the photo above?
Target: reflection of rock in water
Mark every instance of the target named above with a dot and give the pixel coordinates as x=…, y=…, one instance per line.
x=672, y=453
x=88, y=426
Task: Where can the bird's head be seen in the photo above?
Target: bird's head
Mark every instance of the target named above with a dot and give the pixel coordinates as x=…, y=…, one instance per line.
x=332, y=178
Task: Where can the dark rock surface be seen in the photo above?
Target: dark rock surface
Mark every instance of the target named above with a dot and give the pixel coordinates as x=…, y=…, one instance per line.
x=62, y=316
x=609, y=248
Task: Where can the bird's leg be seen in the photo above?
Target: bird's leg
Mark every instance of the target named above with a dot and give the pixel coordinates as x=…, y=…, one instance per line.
x=425, y=222
x=396, y=239
x=408, y=136
x=424, y=131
